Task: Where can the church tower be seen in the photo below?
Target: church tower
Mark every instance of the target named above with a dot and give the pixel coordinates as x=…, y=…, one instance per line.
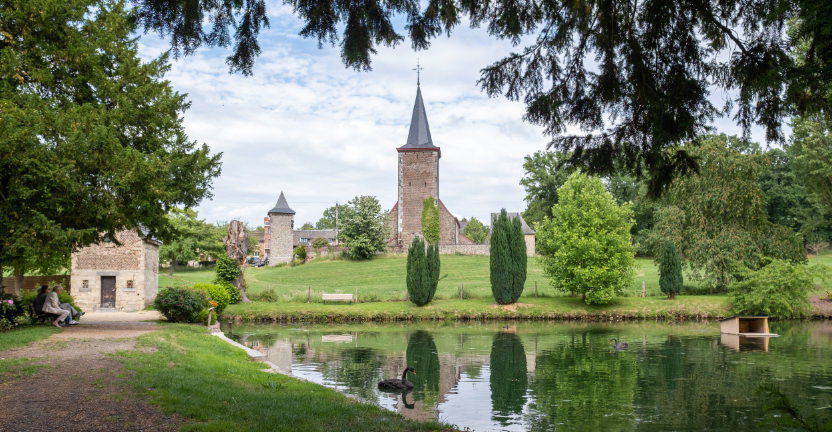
x=418, y=174
x=281, y=232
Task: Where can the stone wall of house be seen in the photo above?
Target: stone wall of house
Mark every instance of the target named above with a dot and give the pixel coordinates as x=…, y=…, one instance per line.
x=465, y=249
x=530, y=251
x=418, y=179
x=134, y=264
x=281, y=238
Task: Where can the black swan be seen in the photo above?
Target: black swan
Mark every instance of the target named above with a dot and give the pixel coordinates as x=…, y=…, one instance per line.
x=618, y=345
x=398, y=384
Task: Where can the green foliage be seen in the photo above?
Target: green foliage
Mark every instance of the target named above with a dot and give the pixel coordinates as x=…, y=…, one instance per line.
x=586, y=243
x=217, y=293
x=233, y=293
x=422, y=271
x=669, y=226
x=423, y=356
x=811, y=147
x=226, y=269
x=475, y=231
x=300, y=253
x=318, y=243
x=10, y=310
x=307, y=226
x=328, y=220
x=190, y=237
x=545, y=173
x=181, y=304
x=670, y=270
x=91, y=138
x=508, y=259
x=509, y=380
x=267, y=295
x=430, y=220
x=779, y=289
x=725, y=218
x=362, y=228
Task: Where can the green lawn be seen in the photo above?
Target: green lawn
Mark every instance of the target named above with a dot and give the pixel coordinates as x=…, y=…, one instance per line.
x=383, y=278
x=215, y=386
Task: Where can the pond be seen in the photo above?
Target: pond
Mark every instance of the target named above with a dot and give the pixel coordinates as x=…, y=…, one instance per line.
x=556, y=376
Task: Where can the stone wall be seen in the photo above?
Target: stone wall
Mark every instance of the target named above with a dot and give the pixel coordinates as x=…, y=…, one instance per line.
x=281, y=238
x=109, y=255
x=32, y=283
x=530, y=251
x=465, y=249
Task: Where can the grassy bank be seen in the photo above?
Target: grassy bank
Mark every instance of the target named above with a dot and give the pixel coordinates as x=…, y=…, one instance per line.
x=529, y=308
x=190, y=373
x=24, y=335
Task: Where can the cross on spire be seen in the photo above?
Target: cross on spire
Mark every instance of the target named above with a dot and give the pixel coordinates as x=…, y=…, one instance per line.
x=418, y=69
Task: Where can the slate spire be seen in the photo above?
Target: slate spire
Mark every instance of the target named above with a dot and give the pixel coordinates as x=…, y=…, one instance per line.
x=282, y=207
x=419, y=135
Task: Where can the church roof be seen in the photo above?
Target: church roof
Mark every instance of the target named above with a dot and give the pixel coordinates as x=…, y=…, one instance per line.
x=419, y=135
x=282, y=207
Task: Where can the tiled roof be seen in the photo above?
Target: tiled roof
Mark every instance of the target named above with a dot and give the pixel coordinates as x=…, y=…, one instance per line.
x=419, y=135
x=512, y=215
x=282, y=207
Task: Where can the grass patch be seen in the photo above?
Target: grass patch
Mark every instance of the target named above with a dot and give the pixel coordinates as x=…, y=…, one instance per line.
x=18, y=368
x=200, y=377
x=23, y=336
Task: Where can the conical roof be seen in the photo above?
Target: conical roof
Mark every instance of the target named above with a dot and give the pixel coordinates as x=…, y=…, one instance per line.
x=282, y=207
x=419, y=135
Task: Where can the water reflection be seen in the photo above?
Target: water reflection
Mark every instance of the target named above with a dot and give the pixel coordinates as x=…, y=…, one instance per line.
x=564, y=376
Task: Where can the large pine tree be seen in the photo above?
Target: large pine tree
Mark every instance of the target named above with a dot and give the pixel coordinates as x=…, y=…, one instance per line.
x=508, y=259
x=670, y=270
x=422, y=271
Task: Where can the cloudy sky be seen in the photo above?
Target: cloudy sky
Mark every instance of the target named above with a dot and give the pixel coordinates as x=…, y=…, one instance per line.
x=305, y=125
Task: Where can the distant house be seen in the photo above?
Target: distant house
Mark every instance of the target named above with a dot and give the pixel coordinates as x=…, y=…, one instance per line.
x=305, y=237
x=528, y=232
x=108, y=276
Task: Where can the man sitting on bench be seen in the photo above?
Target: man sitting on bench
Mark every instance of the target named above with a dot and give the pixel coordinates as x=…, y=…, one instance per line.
x=53, y=305
x=43, y=292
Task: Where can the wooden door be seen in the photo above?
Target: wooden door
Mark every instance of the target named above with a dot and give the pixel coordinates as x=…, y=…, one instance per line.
x=108, y=291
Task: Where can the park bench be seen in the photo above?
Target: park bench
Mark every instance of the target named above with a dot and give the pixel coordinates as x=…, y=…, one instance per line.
x=337, y=297
x=42, y=317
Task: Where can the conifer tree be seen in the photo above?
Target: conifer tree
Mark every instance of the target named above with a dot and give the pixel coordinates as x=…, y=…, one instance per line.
x=422, y=272
x=508, y=259
x=670, y=270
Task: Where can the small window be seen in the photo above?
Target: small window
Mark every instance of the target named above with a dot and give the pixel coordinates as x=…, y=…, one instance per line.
x=85, y=286
x=130, y=286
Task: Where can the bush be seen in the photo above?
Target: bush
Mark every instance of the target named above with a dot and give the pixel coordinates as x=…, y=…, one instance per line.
x=202, y=317
x=226, y=270
x=300, y=253
x=267, y=295
x=233, y=293
x=318, y=244
x=670, y=270
x=508, y=259
x=422, y=272
x=181, y=304
x=218, y=293
x=10, y=309
x=779, y=289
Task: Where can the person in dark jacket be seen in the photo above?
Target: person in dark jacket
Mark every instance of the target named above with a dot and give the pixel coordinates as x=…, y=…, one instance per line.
x=41, y=299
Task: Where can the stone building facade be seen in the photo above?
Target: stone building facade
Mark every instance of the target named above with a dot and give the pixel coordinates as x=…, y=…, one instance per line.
x=418, y=169
x=280, y=232
x=108, y=276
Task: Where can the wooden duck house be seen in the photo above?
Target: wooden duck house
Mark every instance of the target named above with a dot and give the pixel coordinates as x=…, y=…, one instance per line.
x=745, y=333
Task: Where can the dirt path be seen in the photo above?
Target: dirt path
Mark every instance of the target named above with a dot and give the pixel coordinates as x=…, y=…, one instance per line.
x=78, y=387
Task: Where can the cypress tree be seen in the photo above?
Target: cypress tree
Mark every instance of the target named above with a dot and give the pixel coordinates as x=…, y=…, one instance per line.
x=508, y=259
x=422, y=272
x=670, y=270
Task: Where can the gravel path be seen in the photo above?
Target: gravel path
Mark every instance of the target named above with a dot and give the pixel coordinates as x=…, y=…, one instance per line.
x=79, y=387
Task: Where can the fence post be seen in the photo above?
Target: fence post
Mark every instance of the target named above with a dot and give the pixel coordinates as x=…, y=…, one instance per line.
x=308, y=293
x=535, y=288
x=643, y=290
x=461, y=290
x=355, y=297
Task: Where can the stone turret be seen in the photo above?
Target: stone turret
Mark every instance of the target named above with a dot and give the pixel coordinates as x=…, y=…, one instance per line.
x=281, y=226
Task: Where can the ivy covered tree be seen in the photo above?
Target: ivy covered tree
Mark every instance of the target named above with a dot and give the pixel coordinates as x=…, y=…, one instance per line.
x=422, y=271
x=430, y=220
x=475, y=231
x=670, y=270
x=91, y=137
x=647, y=90
x=362, y=227
x=587, y=248
x=507, y=259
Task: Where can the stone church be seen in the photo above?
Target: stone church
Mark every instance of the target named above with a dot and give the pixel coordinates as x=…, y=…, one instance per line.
x=418, y=169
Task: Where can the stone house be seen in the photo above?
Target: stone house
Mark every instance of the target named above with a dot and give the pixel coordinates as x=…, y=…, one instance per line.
x=418, y=168
x=108, y=276
x=305, y=237
x=528, y=233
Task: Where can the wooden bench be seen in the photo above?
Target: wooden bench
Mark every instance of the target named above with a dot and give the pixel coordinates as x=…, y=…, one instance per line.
x=46, y=318
x=337, y=297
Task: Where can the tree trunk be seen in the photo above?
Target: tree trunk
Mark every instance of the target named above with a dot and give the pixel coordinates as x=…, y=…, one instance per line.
x=172, y=266
x=19, y=271
x=236, y=245
x=2, y=287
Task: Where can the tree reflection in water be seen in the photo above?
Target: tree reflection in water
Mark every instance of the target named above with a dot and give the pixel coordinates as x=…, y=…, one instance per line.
x=508, y=377
x=423, y=356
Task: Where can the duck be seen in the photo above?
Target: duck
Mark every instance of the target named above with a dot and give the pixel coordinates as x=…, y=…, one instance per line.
x=398, y=384
x=618, y=345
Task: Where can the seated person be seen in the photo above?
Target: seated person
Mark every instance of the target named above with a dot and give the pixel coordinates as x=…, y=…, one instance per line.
x=43, y=292
x=75, y=314
x=53, y=306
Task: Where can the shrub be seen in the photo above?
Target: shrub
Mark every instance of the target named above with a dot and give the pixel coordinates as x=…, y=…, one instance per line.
x=422, y=272
x=233, y=293
x=181, y=304
x=779, y=289
x=318, y=244
x=300, y=253
x=218, y=293
x=267, y=295
x=670, y=270
x=202, y=317
x=508, y=259
x=10, y=309
x=226, y=270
